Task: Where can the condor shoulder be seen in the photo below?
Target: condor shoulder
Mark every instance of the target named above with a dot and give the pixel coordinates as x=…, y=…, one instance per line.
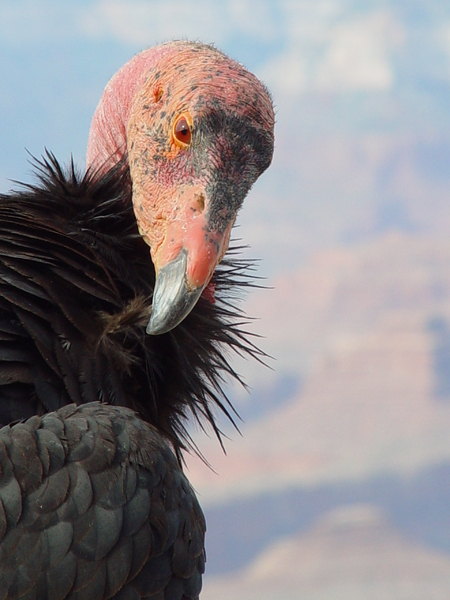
x=94, y=505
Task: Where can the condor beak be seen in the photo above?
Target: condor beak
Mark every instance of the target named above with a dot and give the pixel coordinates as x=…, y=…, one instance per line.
x=173, y=300
x=184, y=265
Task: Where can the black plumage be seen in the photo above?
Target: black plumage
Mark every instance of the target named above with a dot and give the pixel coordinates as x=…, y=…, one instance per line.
x=93, y=500
x=94, y=505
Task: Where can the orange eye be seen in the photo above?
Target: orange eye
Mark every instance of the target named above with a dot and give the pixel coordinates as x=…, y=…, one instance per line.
x=182, y=132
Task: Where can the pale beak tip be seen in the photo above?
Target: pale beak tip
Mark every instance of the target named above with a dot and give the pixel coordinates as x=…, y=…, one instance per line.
x=172, y=300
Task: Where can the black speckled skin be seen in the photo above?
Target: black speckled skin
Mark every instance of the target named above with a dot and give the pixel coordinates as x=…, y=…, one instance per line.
x=231, y=118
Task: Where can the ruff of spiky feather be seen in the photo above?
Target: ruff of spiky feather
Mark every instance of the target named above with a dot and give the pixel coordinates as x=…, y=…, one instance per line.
x=74, y=239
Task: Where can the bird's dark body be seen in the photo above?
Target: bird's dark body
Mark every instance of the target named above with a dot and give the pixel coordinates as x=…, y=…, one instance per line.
x=94, y=505
x=93, y=501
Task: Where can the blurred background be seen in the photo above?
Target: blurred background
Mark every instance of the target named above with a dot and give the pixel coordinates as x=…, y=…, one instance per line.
x=340, y=484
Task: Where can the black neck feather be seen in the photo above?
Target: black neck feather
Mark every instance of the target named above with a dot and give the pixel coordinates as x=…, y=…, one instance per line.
x=76, y=282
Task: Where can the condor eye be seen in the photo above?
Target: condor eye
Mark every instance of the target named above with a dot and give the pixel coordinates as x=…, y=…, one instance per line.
x=182, y=134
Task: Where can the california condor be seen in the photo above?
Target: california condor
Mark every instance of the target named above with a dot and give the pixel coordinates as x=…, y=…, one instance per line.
x=115, y=322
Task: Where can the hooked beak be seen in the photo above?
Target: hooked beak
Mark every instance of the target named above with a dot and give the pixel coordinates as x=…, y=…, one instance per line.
x=173, y=300
x=184, y=264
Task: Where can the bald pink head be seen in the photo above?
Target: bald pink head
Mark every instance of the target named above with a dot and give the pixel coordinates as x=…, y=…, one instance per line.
x=143, y=78
x=196, y=129
x=107, y=141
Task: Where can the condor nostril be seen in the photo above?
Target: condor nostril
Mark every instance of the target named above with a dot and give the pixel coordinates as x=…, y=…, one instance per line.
x=199, y=202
